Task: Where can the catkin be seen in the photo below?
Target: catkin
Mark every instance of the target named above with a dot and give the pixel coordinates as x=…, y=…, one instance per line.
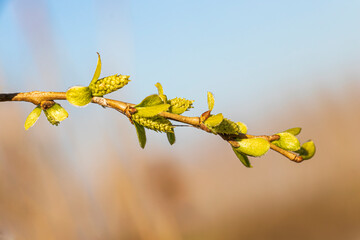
x=109, y=84
x=179, y=105
x=156, y=123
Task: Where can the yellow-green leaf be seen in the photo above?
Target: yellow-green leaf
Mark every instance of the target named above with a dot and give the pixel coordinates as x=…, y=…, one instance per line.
x=243, y=158
x=214, y=120
x=171, y=137
x=152, y=110
x=159, y=88
x=97, y=70
x=79, y=96
x=32, y=118
x=210, y=100
x=287, y=142
x=255, y=147
x=307, y=150
x=294, y=131
x=140, y=131
x=150, y=101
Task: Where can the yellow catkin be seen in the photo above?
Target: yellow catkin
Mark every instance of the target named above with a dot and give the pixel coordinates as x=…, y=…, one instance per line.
x=109, y=84
x=156, y=123
x=179, y=105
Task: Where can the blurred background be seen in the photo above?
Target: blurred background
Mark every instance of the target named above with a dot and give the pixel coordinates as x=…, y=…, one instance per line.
x=271, y=64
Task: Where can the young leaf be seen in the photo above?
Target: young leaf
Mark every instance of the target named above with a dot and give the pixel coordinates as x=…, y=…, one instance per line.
x=211, y=100
x=171, y=137
x=79, y=96
x=287, y=142
x=255, y=147
x=226, y=127
x=150, y=101
x=152, y=110
x=214, y=120
x=307, y=150
x=140, y=131
x=32, y=118
x=97, y=70
x=294, y=131
x=159, y=88
x=243, y=158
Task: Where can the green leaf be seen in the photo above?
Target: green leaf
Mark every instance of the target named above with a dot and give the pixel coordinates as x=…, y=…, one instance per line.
x=226, y=127
x=97, y=70
x=150, y=101
x=140, y=131
x=171, y=137
x=214, y=120
x=56, y=114
x=211, y=100
x=255, y=147
x=79, y=96
x=32, y=118
x=243, y=158
x=243, y=127
x=307, y=150
x=294, y=131
x=287, y=142
x=152, y=111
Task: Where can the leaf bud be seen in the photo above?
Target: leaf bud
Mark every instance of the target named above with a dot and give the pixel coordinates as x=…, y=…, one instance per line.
x=255, y=147
x=307, y=150
x=79, y=96
x=287, y=142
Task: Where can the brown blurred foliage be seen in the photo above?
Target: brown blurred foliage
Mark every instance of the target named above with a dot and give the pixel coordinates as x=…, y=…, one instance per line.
x=158, y=197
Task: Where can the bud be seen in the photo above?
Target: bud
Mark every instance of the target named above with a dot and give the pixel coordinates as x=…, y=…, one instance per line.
x=243, y=127
x=255, y=147
x=287, y=142
x=157, y=123
x=226, y=127
x=180, y=105
x=307, y=150
x=32, y=118
x=56, y=114
x=79, y=96
x=108, y=85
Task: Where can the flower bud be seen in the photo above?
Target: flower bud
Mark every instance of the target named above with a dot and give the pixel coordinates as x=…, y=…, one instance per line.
x=79, y=96
x=307, y=150
x=287, y=142
x=255, y=147
x=56, y=114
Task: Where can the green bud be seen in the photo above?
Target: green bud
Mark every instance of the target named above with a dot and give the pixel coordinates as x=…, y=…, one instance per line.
x=243, y=158
x=255, y=147
x=171, y=137
x=214, y=120
x=243, y=127
x=287, y=142
x=226, y=127
x=157, y=123
x=294, y=131
x=32, y=118
x=140, y=131
x=79, y=96
x=307, y=150
x=56, y=114
x=211, y=100
x=180, y=105
x=108, y=85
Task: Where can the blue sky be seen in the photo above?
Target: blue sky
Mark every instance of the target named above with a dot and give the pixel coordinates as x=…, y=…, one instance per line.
x=255, y=56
